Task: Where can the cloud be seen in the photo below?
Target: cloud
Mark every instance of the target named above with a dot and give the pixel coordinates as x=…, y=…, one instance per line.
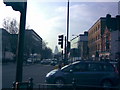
x=76, y=0
x=50, y=19
x=84, y=15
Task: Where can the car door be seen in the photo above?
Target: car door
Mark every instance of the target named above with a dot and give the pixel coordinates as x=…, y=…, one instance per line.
x=80, y=73
x=68, y=74
x=95, y=73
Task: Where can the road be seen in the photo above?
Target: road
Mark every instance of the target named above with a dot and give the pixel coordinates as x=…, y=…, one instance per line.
x=36, y=71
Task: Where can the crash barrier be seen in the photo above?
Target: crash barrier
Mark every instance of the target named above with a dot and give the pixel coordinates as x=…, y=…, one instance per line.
x=26, y=85
x=73, y=87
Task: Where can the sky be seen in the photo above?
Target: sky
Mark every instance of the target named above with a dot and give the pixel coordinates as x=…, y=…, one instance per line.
x=48, y=18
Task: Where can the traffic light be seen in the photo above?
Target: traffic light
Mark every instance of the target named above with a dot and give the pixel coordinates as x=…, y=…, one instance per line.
x=18, y=5
x=60, y=40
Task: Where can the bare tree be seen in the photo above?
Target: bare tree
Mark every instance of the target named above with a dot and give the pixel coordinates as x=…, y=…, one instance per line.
x=44, y=44
x=11, y=25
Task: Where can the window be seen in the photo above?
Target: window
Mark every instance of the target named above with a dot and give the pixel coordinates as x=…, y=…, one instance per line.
x=82, y=67
x=94, y=67
x=108, y=67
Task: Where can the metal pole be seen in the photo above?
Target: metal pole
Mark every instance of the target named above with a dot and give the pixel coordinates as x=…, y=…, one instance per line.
x=20, y=45
x=68, y=21
x=67, y=32
x=65, y=57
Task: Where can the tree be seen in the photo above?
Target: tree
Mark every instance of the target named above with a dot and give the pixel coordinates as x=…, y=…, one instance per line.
x=46, y=53
x=44, y=44
x=11, y=25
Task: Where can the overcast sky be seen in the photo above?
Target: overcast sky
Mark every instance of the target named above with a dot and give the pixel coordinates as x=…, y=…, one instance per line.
x=48, y=19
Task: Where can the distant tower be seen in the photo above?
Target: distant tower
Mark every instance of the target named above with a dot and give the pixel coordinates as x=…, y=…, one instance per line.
x=119, y=8
x=56, y=50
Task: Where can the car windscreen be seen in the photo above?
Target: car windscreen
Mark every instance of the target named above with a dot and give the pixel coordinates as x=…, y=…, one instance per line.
x=67, y=68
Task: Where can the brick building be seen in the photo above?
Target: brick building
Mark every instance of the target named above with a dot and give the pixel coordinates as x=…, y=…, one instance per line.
x=95, y=37
x=103, y=38
x=106, y=44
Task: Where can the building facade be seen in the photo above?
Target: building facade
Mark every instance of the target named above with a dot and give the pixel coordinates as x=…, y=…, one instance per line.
x=83, y=45
x=75, y=51
x=32, y=45
x=95, y=37
x=115, y=37
x=106, y=44
x=103, y=38
x=6, y=46
x=79, y=48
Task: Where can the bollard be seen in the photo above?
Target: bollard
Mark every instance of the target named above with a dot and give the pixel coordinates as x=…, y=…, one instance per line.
x=13, y=87
x=74, y=84
x=17, y=86
x=30, y=83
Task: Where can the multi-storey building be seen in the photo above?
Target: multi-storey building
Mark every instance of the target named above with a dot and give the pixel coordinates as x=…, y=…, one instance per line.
x=115, y=37
x=106, y=44
x=6, y=45
x=83, y=45
x=79, y=46
x=103, y=38
x=32, y=44
x=75, y=52
x=94, y=37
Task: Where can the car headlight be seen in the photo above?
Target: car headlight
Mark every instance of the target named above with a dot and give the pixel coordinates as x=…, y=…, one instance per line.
x=50, y=74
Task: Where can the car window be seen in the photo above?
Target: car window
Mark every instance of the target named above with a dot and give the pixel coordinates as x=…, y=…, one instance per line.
x=108, y=67
x=81, y=67
x=94, y=67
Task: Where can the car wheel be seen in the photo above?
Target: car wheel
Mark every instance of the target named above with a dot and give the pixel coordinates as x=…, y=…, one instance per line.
x=59, y=82
x=106, y=84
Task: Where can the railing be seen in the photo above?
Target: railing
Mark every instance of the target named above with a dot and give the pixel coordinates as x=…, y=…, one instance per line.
x=73, y=87
x=29, y=85
x=26, y=85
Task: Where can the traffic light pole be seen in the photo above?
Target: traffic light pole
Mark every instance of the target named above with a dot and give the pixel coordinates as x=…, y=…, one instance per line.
x=20, y=47
x=66, y=46
x=68, y=22
x=65, y=57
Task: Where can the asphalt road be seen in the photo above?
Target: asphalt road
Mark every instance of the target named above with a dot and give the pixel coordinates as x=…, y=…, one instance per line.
x=36, y=71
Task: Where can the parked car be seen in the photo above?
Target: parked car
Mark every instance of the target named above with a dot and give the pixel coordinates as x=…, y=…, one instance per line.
x=45, y=62
x=29, y=61
x=53, y=63
x=85, y=73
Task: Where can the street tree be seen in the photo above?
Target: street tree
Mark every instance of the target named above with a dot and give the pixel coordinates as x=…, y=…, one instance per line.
x=11, y=25
x=46, y=53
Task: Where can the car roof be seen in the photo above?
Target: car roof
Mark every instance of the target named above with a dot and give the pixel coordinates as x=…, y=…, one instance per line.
x=84, y=61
